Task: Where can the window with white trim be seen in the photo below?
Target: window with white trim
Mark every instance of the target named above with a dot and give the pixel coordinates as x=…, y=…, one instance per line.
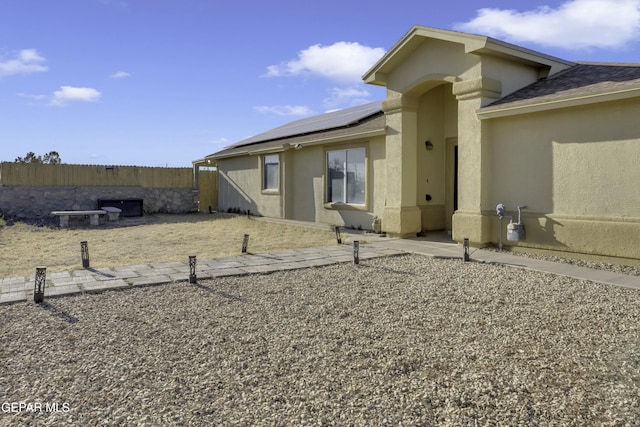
x=271, y=172
x=346, y=180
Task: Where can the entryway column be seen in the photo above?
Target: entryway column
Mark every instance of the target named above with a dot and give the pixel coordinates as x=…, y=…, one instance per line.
x=401, y=216
x=474, y=160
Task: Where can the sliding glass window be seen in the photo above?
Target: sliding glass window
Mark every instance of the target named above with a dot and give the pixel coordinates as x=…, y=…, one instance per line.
x=346, y=180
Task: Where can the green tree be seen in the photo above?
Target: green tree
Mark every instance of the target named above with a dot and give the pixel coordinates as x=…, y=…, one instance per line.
x=51, y=158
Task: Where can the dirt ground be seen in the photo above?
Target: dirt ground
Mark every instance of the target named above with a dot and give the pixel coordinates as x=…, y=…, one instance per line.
x=152, y=238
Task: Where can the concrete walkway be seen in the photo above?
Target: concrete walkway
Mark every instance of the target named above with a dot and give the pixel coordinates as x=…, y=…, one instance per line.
x=441, y=249
x=18, y=289
x=99, y=279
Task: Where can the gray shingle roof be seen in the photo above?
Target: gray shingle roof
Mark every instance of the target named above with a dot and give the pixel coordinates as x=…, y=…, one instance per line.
x=579, y=80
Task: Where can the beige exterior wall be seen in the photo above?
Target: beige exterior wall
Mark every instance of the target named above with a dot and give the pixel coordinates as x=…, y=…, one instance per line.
x=577, y=171
x=240, y=187
x=433, y=62
x=302, y=185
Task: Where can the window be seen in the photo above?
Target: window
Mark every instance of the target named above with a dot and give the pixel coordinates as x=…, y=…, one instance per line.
x=346, y=176
x=271, y=172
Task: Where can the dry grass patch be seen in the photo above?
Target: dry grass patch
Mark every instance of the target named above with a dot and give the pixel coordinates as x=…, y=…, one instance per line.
x=161, y=238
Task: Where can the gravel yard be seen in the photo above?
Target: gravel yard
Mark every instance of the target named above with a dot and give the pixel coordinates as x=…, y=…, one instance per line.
x=405, y=340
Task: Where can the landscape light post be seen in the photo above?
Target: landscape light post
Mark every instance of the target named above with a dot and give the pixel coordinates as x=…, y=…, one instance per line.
x=356, y=252
x=39, y=285
x=338, y=236
x=192, y=269
x=245, y=243
x=84, y=252
x=465, y=245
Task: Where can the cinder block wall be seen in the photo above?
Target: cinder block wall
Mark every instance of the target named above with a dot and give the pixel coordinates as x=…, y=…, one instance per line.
x=36, y=203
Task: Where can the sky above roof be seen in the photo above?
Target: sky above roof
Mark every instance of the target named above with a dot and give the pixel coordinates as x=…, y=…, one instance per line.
x=166, y=82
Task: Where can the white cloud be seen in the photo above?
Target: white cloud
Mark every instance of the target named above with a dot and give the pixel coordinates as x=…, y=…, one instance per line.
x=27, y=61
x=68, y=94
x=346, y=96
x=343, y=62
x=576, y=24
x=120, y=75
x=218, y=144
x=285, y=110
x=220, y=141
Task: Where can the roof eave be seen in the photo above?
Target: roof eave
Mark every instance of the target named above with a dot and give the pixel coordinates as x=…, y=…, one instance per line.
x=547, y=105
x=287, y=145
x=521, y=54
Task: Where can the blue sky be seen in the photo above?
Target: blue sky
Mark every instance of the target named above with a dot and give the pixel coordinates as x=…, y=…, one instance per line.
x=166, y=82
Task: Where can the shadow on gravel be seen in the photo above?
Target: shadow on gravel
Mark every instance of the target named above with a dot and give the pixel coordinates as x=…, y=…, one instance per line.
x=217, y=292
x=59, y=313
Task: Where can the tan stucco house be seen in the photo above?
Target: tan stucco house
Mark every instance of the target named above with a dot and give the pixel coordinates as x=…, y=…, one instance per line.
x=469, y=122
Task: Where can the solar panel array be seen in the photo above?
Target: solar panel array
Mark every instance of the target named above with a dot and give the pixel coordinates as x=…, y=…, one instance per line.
x=332, y=120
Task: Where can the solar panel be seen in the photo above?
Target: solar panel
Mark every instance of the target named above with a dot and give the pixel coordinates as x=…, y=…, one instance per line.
x=334, y=119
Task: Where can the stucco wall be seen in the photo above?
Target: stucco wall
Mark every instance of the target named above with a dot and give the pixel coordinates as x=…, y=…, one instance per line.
x=240, y=187
x=577, y=171
x=432, y=61
x=304, y=170
x=36, y=203
x=301, y=194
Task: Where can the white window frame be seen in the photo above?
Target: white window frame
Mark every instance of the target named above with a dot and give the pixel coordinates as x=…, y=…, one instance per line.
x=267, y=159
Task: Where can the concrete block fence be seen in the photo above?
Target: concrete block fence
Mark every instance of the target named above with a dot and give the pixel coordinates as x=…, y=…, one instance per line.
x=36, y=203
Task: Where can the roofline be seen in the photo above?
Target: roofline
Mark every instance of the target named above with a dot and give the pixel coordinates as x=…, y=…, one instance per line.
x=507, y=110
x=296, y=135
x=261, y=138
x=473, y=43
x=287, y=145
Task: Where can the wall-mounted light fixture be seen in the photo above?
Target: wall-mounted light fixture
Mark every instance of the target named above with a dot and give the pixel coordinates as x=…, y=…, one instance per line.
x=428, y=145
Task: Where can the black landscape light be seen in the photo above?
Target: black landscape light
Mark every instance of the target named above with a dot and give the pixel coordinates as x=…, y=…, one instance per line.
x=245, y=243
x=465, y=245
x=356, y=252
x=192, y=269
x=40, y=283
x=338, y=236
x=84, y=252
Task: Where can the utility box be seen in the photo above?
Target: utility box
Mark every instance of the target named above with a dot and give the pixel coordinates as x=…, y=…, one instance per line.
x=515, y=232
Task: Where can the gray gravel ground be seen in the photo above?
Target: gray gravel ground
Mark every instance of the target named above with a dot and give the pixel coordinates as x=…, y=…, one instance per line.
x=403, y=340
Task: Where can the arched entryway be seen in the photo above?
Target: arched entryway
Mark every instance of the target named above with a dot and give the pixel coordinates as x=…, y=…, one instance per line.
x=437, y=134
